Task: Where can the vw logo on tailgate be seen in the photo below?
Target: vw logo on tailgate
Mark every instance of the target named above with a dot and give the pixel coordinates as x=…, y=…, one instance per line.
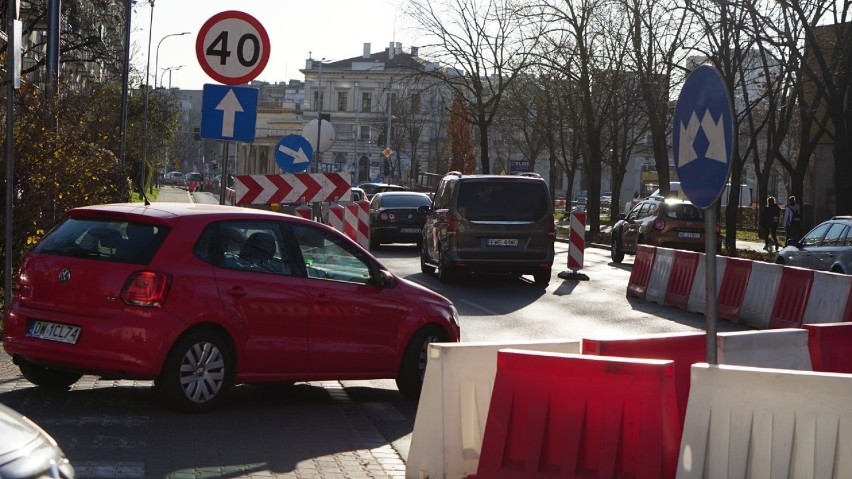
x=64, y=275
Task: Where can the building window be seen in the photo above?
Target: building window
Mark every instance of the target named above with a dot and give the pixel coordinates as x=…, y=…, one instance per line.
x=364, y=132
x=341, y=101
x=318, y=100
x=366, y=102
x=415, y=103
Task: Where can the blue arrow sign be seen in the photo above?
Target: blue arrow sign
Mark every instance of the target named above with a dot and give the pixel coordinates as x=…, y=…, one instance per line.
x=703, y=136
x=293, y=153
x=228, y=113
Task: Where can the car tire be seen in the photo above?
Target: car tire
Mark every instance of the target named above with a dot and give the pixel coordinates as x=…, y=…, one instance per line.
x=617, y=251
x=46, y=377
x=425, y=267
x=445, y=269
x=409, y=380
x=542, y=278
x=198, y=372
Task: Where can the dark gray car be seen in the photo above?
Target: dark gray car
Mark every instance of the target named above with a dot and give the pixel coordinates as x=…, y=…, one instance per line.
x=827, y=247
x=490, y=224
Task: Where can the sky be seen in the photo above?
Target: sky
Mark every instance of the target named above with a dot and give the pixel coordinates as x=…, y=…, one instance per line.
x=330, y=29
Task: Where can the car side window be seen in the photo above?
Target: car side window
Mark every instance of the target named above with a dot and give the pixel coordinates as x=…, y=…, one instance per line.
x=329, y=256
x=835, y=235
x=634, y=213
x=815, y=236
x=255, y=246
x=652, y=210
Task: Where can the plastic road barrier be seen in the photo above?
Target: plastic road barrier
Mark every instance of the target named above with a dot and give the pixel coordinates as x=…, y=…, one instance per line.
x=791, y=297
x=660, y=272
x=567, y=415
x=829, y=299
x=453, y=407
x=698, y=296
x=640, y=273
x=766, y=423
x=830, y=346
x=577, y=241
x=682, y=278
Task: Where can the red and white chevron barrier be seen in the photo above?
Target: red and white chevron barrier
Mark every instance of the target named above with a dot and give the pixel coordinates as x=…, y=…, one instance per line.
x=356, y=222
x=291, y=188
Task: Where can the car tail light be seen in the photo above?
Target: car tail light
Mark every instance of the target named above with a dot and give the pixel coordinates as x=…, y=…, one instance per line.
x=660, y=224
x=452, y=224
x=146, y=288
x=551, y=228
x=383, y=216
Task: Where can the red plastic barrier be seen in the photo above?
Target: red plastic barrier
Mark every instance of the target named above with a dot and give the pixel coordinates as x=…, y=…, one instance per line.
x=681, y=278
x=830, y=346
x=791, y=298
x=733, y=288
x=640, y=274
x=569, y=415
x=684, y=349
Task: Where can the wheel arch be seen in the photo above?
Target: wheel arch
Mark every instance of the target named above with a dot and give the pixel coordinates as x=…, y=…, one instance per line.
x=212, y=327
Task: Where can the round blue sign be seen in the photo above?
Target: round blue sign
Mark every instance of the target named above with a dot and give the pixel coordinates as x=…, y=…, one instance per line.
x=703, y=136
x=293, y=153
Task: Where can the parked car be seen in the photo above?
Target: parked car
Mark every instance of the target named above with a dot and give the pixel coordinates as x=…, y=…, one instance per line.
x=372, y=188
x=173, y=178
x=398, y=217
x=200, y=297
x=194, y=181
x=358, y=194
x=27, y=451
x=490, y=224
x=668, y=223
x=827, y=247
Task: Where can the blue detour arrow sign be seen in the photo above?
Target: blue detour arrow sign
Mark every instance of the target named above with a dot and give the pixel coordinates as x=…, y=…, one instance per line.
x=293, y=153
x=703, y=136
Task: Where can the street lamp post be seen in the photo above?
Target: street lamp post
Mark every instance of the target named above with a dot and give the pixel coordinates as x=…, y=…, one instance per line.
x=145, y=107
x=357, y=133
x=169, y=70
x=157, y=56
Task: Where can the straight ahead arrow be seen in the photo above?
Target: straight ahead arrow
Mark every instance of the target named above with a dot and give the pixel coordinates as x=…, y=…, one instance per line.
x=229, y=106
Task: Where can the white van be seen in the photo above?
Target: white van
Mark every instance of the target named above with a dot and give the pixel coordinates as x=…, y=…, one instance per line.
x=745, y=194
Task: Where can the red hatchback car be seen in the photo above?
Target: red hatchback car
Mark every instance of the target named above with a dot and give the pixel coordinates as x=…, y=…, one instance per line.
x=200, y=297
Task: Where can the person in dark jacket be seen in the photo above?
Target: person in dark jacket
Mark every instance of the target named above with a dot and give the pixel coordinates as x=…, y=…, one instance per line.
x=769, y=223
x=793, y=221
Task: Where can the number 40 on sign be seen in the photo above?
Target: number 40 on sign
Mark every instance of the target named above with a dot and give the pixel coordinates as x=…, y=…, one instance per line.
x=232, y=47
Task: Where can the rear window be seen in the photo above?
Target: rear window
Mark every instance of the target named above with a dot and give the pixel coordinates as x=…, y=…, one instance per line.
x=683, y=212
x=502, y=200
x=107, y=240
x=194, y=177
x=405, y=201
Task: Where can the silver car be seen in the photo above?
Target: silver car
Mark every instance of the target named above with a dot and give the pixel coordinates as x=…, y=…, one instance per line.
x=27, y=451
x=827, y=247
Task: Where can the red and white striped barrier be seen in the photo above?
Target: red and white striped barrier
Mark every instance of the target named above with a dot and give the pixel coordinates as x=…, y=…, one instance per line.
x=577, y=241
x=335, y=217
x=356, y=222
x=304, y=211
x=761, y=295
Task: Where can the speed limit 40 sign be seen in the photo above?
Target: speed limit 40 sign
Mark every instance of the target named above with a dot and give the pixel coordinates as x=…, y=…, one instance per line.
x=232, y=47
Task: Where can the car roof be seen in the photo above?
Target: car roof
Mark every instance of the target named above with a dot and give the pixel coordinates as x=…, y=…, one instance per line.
x=168, y=214
x=401, y=193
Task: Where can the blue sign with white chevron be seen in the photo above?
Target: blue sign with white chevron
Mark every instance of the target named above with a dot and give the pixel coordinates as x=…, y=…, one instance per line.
x=703, y=136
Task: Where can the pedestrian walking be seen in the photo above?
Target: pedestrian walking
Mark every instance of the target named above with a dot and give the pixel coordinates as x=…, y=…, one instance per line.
x=792, y=221
x=769, y=224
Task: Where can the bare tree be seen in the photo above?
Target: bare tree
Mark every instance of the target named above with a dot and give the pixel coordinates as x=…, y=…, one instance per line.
x=485, y=46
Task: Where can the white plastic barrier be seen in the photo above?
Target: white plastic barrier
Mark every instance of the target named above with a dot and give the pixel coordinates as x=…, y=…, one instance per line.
x=660, y=273
x=766, y=423
x=697, y=302
x=772, y=348
x=828, y=298
x=453, y=407
x=760, y=294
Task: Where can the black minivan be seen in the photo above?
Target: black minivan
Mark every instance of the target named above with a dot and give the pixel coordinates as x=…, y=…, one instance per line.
x=490, y=224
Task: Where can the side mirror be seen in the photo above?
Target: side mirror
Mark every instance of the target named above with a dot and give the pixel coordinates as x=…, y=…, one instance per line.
x=384, y=279
x=621, y=216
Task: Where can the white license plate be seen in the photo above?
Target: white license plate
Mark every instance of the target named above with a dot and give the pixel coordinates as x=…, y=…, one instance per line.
x=502, y=242
x=688, y=234
x=409, y=230
x=54, y=332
